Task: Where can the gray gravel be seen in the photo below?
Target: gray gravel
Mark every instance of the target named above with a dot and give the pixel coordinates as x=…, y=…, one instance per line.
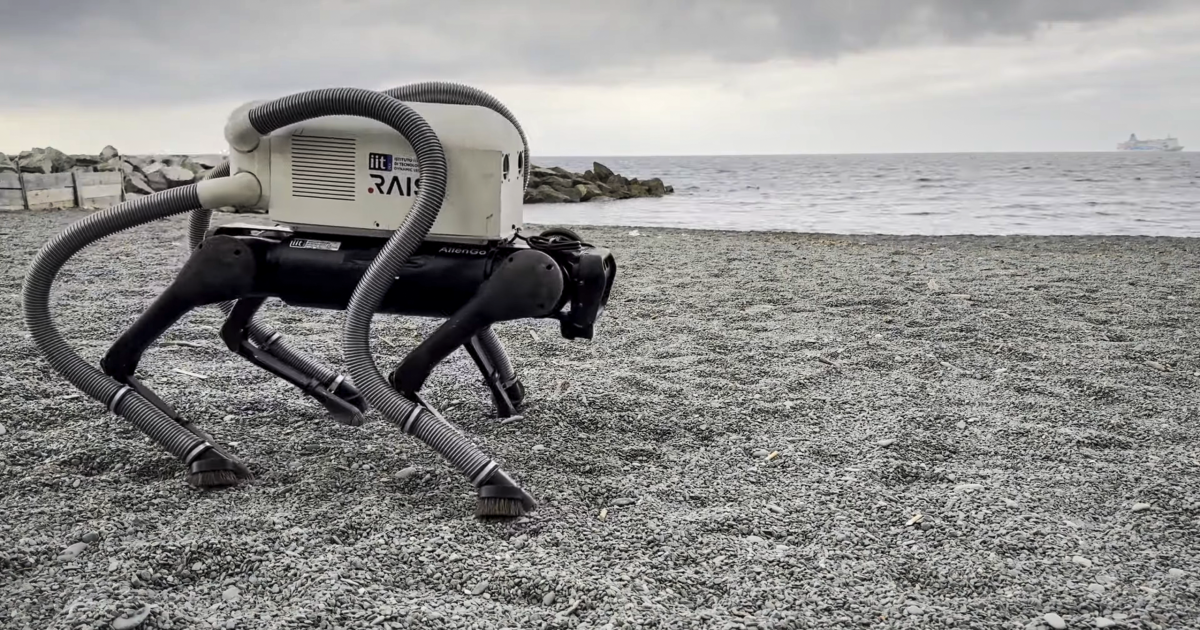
x=781, y=431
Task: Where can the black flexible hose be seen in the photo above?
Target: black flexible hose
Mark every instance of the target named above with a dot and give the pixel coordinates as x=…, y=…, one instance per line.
x=369, y=293
x=89, y=379
x=458, y=94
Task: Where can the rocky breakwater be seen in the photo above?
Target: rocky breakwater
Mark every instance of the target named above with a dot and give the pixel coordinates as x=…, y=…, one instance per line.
x=599, y=183
x=141, y=175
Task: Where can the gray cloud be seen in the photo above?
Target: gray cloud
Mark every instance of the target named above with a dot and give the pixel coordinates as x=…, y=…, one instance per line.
x=152, y=51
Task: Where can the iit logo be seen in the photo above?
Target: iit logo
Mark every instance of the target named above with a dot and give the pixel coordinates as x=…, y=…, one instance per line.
x=379, y=162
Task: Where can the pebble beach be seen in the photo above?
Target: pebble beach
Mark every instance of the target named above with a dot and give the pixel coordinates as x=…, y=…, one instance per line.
x=770, y=430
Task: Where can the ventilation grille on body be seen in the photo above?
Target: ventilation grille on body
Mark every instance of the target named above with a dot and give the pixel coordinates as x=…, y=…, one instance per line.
x=323, y=167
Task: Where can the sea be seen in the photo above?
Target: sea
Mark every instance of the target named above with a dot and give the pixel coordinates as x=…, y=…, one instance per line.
x=1112, y=193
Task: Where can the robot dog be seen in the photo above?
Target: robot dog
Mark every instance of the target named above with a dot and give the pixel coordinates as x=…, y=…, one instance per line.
x=406, y=202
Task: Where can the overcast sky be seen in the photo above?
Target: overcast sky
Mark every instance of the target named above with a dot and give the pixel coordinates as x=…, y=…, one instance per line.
x=617, y=77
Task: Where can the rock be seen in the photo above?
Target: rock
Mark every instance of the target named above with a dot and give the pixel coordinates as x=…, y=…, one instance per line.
x=231, y=594
x=638, y=190
x=538, y=448
x=587, y=192
x=7, y=165
x=207, y=162
x=90, y=537
x=1141, y=507
x=1055, y=621
x=601, y=172
x=72, y=552
x=968, y=487
x=61, y=162
x=135, y=183
x=913, y=610
x=1104, y=622
x=546, y=194
x=1010, y=503
x=1096, y=588
x=759, y=453
x=135, y=163
x=624, y=501
x=85, y=160
x=775, y=508
x=109, y=152
x=158, y=182
x=887, y=442
x=111, y=165
x=407, y=473
x=548, y=598
x=962, y=424
x=36, y=162
x=1081, y=561
x=1177, y=573
x=655, y=186
x=177, y=176
x=193, y=166
x=126, y=622
x=3, y=430
x=480, y=588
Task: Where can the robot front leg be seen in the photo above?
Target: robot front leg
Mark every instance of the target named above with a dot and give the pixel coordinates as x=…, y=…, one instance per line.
x=527, y=284
x=222, y=269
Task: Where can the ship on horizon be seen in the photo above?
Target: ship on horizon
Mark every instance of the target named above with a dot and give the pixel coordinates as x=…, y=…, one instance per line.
x=1161, y=144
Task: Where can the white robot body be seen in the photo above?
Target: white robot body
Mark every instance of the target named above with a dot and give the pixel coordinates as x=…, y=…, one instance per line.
x=356, y=176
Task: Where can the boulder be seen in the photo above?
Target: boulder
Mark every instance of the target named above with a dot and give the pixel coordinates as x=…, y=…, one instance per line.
x=587, y=192
x=36, y=161
x=152, y=167
x=601, y=171
x=208, y=162
x=85, y=160
x=192, y=166
x=545, y=194
x=655, y=186
x=62, y=161
x=136, y=164
x=112, y=164
x=638, y=190
x=135, y=183
x=157, y=180
x=540, y=172
x=109, y=152
x=557, y=183
x=616, y=181
x=562, y=172
x=6, y=164
x=177, y=176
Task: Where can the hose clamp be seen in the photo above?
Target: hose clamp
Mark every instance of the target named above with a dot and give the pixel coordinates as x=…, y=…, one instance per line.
x=270, y=340
x=337, y=381
x=116, y=399
x=412, y=418
x=485, y=473
x=196, y=452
